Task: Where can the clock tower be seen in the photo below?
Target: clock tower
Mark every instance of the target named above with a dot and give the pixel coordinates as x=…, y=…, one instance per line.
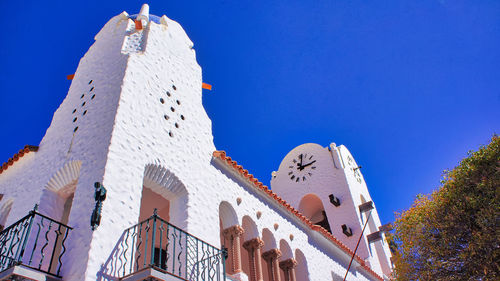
x=325, y=185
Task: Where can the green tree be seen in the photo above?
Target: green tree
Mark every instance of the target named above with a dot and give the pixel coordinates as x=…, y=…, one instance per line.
x=453, y=233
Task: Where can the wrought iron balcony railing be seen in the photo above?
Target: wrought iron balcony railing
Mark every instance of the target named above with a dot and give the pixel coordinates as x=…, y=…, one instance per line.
x=157, y=244
x=35, y=241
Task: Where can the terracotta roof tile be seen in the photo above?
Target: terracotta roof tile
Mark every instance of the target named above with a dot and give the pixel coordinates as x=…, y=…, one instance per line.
x=222, y=155
x=17, y=156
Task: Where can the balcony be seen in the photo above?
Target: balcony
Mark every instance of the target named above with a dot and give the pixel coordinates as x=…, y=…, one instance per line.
x=33, y=248
x=157, y=250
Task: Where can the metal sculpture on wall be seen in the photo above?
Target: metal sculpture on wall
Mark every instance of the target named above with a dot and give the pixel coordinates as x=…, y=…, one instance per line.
x=99, y=196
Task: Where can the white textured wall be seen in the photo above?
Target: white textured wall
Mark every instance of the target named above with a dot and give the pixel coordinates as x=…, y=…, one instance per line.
x=124, y=131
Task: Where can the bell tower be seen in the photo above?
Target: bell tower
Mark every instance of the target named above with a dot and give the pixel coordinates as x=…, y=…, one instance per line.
x=326, y=185
x=133, y=120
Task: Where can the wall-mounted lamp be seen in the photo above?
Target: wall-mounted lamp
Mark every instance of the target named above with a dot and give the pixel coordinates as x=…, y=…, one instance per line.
x=357, y=168
x=99, y=196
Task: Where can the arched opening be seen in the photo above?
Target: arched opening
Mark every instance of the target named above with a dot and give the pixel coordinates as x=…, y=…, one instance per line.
x=269, y=241
x=164, y=192
x=301, y=271
x=269, y=244
x=227, y=215
x=57, y=197
x=311, y=206
x=286, y=254
x=251, y=250
x=250, y=232
x=56, y=201
x=4, y=212
x=230, y=241
x=250, y=228
x=286, y=251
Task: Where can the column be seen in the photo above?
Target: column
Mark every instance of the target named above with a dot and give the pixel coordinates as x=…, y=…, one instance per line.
x=232, y=235
x=253, y=247
x=271, y=257
x=288, y=267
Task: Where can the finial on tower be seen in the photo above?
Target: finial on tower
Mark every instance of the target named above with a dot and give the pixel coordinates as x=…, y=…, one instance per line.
x=142, y=18
x=124, y=15
x=164, y=20
x=144, y=13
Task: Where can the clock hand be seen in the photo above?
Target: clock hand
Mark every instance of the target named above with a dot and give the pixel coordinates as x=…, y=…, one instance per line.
x=303, y=166
x=299, y=165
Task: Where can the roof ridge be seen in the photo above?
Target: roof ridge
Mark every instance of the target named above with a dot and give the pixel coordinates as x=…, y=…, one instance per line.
x=27, y=148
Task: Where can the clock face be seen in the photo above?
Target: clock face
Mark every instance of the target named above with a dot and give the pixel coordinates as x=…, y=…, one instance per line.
x=302, y=167
x=355, y=170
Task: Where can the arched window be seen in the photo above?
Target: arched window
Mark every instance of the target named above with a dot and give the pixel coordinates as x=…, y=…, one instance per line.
x=269, y=244
x=251, y=250
x=311, y=206
x=287, y=262
x=163, y=191
x=302, y=272
x=227, y=215
x=230, y=234
x=57, y=197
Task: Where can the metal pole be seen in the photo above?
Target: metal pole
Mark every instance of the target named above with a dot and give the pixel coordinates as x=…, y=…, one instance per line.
x=28, y=232
x=359, y=240
x=153, y=238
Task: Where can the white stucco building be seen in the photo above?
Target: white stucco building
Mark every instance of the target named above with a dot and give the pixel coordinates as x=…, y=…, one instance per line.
x=133, y=121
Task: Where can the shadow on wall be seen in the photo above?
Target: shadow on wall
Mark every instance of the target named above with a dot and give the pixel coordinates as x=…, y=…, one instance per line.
x=312, y=207
x=332, y=255
x=5, y=211
x=302, y=272
x=336, y=277
x=57, y=197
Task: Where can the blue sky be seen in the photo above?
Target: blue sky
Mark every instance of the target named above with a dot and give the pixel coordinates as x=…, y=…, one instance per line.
x=408, y=86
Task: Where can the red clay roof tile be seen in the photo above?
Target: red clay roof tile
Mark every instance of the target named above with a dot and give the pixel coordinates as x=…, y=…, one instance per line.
x=17, y=156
